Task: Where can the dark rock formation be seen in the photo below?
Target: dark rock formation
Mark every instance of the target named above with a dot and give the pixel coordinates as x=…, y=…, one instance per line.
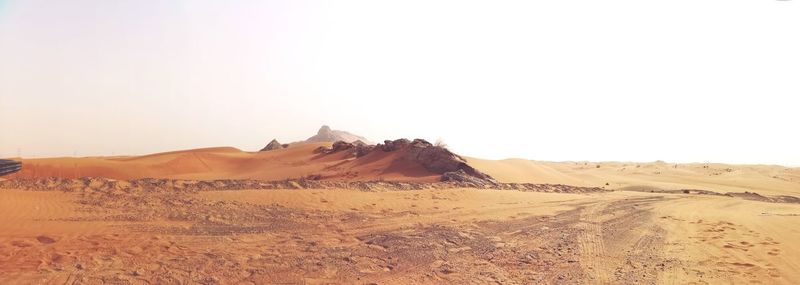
x=363, y=150
x=357, y=148
x=460, y=176
x=273, y=145
x=340, y=146
x=436, y=159
x=441, y=160
x=388, y=145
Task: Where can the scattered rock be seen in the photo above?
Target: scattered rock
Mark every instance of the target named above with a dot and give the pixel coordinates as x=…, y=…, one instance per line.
x=45, y=239
x=363, y=149
x=461, y=176
x=389, y=145
x=152, y=185
x=357, y=148
x=340, y=146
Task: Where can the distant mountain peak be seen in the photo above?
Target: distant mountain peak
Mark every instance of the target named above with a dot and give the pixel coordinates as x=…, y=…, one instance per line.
x=273, y=145
x=326, y=134
x=324, y=130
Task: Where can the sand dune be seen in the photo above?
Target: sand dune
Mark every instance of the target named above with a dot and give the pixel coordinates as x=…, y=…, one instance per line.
x=763, y=179
x=294, y=162
x=300, y=160
x=94, y=231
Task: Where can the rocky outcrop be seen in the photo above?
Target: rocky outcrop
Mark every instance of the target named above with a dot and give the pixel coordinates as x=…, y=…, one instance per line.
x=435, y=159
x=393, y=145
x=340, y=146
x=460, y=176
x=362, y=150
x=441, y=160
x=273, y=145
x=357, y=148
x=326, y=134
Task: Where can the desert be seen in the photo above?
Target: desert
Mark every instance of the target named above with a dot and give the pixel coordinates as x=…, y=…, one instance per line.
x=375, y=142
x=399, y=212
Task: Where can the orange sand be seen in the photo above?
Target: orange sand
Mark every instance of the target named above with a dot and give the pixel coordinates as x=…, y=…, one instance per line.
x=230, y=163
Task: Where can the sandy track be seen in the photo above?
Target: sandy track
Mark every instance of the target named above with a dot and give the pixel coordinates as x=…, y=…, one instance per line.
x=457, y=236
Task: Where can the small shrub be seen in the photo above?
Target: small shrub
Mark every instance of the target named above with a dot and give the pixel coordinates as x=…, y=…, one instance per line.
x=441, y=143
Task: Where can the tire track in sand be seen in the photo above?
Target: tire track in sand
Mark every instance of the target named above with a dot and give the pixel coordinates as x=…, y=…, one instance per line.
x=592, y=245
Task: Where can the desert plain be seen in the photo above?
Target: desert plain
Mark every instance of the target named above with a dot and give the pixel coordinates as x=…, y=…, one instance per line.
x=343, y=213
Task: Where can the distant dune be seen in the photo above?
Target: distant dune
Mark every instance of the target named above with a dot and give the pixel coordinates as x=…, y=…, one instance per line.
x=297, y=161
x=92, y=230
x=763, y=179
x=300, y=160
x=358, y=162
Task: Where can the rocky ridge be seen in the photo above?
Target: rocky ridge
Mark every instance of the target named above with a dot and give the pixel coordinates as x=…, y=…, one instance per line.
x=434, y=158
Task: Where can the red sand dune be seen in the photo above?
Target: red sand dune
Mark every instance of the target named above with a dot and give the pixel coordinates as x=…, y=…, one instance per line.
x=231, y=163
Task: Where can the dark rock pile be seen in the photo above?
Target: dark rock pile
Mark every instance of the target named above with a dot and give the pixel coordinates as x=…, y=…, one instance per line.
x=461, y=176
x=357, y=148
x=434, y=158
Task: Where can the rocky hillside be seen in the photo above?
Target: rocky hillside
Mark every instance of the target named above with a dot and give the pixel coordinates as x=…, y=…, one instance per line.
x=436, y=159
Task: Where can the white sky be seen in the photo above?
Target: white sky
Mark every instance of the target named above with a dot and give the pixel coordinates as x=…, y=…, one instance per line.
x=684, y=81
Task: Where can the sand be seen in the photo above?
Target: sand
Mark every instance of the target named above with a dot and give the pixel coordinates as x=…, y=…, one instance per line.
x=172, y=234
x=300, y=161
x=393, y=237
x=295, y=162
x=762, y=179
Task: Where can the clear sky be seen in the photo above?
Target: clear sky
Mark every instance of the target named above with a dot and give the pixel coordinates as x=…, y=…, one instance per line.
x=681, y=80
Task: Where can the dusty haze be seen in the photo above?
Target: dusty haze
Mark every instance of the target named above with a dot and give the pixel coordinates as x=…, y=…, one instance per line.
x=578, y=80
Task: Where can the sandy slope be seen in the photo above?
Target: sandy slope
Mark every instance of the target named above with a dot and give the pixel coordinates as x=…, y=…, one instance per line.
x=731, y=240
x=455, y=236
x=175, y=235
x=763, y=179
x=300, y=161
x=230, y=163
